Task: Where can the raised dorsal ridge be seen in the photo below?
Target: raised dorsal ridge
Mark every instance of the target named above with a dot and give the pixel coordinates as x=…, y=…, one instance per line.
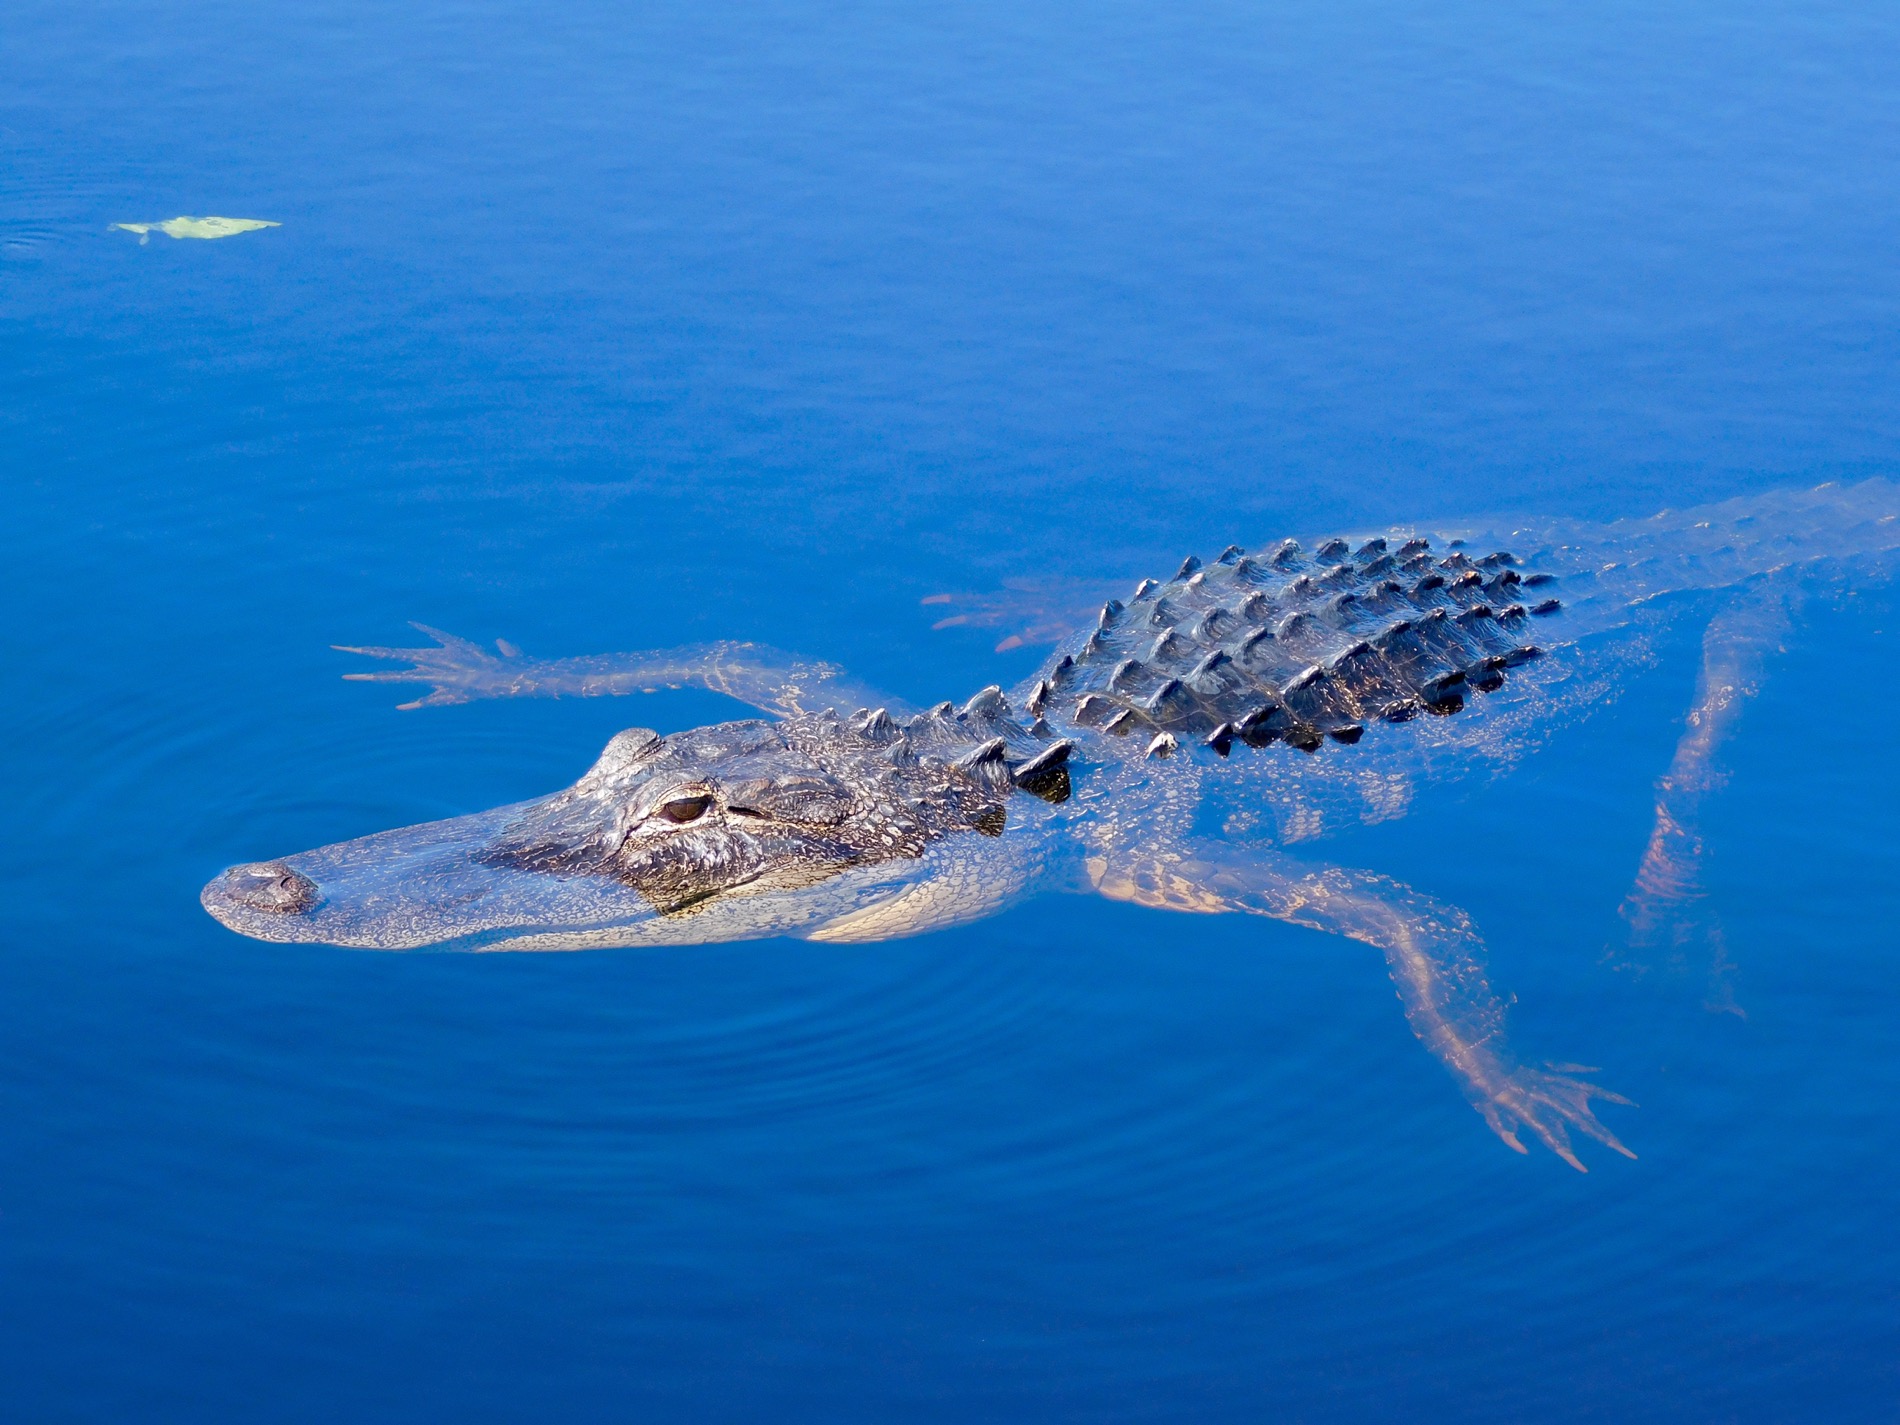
x=982, y=753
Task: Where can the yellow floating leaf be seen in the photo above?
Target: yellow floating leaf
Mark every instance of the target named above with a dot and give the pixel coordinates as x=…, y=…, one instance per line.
x=196, y=227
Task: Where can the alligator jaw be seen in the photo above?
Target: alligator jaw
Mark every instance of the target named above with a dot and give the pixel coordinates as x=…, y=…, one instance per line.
x=412, y=887
x=438, y=886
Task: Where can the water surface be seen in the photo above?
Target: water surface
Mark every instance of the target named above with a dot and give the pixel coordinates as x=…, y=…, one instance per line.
x=595, y=327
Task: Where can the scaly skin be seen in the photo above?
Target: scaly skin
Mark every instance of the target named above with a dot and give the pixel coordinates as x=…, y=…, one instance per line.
x=1279, y=695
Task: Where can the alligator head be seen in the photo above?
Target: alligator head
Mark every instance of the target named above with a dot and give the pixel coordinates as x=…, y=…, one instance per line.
x=729, y=832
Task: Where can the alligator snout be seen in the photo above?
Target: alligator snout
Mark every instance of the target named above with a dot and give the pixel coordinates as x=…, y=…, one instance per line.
x=268, y=886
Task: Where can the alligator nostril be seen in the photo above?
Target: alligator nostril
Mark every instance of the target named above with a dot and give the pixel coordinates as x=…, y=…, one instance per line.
x=271, y=886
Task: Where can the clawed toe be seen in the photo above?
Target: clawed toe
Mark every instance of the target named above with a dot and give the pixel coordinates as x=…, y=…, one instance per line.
x=1551, y=1105
x=454, y=666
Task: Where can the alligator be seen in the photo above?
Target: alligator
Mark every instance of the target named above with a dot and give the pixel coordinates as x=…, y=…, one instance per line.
x=1170, y=752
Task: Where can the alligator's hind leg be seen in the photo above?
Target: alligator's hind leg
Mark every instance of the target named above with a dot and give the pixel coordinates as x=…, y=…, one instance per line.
x=1665, y=908
x=1434, y=954
x=1034, y=612
x=765, y=678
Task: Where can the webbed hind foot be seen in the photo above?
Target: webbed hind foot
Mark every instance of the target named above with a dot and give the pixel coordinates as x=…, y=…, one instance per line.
x=1550, y=1103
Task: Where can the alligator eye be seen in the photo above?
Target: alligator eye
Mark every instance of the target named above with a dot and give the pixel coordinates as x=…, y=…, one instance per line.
x=684, y=809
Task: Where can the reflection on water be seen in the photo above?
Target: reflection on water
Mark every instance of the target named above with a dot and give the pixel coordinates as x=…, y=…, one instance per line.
x=662, y=330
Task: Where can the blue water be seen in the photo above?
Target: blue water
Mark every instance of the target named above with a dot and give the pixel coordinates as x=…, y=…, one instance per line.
x=596, y=326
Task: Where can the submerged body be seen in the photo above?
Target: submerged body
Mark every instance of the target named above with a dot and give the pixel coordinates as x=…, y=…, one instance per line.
x=1169, y=753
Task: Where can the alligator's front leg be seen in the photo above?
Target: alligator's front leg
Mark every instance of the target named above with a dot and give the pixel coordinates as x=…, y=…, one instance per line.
x=1434, y=954
x=762, y=677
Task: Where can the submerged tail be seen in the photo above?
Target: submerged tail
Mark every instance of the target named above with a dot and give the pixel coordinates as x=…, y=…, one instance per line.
x=1607, y=569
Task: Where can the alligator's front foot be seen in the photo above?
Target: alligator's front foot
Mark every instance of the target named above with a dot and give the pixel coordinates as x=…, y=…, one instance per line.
x=1550, y=1103
x=768, y=679
x=1432, y=950
x=458, y=670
